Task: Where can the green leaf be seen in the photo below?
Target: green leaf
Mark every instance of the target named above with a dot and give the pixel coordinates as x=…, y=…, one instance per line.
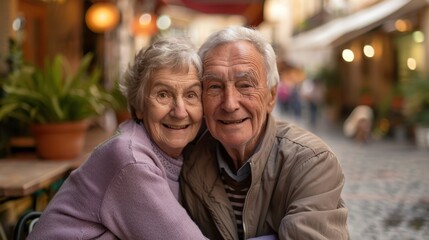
x=54, y=93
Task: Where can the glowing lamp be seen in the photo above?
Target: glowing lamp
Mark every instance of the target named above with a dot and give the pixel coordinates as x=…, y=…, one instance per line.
x=275, y=10
x=145, y=25
x=102, y=17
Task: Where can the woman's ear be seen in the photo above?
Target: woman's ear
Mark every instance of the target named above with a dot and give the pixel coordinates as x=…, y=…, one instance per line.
x=139, y=116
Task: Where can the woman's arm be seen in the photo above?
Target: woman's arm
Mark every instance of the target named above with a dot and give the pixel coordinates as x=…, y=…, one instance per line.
x=140, y=205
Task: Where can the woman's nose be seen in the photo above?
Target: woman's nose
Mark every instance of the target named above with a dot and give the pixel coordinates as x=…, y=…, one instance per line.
x=179, y=108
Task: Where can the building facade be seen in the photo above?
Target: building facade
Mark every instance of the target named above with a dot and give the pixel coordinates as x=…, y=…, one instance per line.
x=369, y=50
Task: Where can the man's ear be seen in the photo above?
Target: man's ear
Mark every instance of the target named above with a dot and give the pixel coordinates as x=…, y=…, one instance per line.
x=272, y=98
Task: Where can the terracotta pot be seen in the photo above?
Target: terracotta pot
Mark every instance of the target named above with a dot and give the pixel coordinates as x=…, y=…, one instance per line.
x=59, y=141
x=122, y=116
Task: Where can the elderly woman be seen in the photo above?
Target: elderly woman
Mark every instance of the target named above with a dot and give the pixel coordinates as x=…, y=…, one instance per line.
x=128, y=188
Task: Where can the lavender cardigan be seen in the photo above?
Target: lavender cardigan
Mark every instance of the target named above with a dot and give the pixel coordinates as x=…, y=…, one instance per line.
x=127, y=189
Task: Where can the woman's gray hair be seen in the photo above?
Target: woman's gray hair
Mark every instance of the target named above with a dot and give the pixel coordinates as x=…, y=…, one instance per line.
x=240, y=33
x=177, y=54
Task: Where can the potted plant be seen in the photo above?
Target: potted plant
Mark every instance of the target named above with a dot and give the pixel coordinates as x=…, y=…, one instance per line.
x=119, y=104
x=54, y=97
x=416, y=107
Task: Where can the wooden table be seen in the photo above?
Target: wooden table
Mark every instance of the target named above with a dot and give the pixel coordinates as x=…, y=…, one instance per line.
x=24, y=177
x=20, y=177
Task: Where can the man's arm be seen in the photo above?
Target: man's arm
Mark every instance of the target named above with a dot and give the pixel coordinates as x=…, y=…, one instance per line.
x=316, y=210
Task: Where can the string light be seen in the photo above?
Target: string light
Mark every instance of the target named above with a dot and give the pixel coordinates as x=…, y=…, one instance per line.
x=102, y=17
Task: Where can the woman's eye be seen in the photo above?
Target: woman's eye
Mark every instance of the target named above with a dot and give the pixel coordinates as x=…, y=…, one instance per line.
x=192, y=97
x=163, y=97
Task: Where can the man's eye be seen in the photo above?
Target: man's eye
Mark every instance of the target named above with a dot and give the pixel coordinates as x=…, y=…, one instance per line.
x=214, y=86
x=244, y=85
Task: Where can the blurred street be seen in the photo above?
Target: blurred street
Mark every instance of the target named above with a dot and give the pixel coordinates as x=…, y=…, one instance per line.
x=387, y=184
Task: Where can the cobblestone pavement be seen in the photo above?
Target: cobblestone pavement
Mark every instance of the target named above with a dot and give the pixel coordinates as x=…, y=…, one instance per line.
x=387, y=185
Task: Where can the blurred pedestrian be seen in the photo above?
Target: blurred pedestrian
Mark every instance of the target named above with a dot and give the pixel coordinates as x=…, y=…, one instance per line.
x=313, y=93
x=295, y=100
x=284, y=92
x=358, y=125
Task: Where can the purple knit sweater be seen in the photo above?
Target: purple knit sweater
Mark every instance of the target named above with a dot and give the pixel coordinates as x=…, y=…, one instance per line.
x=127, y=189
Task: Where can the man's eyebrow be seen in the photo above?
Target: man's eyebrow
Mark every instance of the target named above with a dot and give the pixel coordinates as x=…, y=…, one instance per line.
x=211, y=76
x=238, y=75
x=244, y=74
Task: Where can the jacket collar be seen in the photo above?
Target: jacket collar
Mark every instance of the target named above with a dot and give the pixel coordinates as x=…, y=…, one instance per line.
x=261, y=156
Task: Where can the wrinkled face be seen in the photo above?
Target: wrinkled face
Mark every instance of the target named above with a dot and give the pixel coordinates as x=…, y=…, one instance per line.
x=173, y=110
x=236, y=97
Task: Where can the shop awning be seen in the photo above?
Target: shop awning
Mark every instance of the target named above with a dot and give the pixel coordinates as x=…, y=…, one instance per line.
x=252, y=10
x=345, y=29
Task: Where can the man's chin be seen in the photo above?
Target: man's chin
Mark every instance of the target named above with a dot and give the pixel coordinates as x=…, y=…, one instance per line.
x=232, y=140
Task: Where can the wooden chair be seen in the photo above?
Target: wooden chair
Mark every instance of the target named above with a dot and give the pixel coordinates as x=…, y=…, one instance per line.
x=25, y=224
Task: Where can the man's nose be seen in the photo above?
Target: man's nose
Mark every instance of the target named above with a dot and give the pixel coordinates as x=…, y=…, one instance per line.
x=230, y=101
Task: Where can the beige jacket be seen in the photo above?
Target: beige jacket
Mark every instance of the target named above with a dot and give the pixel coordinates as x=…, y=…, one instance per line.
x=295, y=190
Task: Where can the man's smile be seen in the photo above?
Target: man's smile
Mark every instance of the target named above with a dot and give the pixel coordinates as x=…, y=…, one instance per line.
x=227, y=122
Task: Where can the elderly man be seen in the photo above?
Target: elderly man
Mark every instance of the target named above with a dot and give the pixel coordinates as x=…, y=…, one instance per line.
x=250, y=176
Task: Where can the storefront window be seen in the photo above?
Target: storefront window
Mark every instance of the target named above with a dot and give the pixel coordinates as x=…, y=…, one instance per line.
x=410, y=55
